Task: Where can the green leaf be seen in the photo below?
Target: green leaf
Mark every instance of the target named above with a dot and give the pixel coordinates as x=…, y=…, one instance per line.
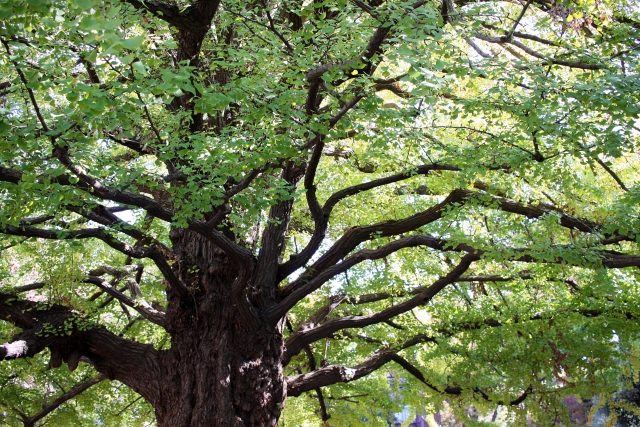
x=133, y=42
x=139, y=67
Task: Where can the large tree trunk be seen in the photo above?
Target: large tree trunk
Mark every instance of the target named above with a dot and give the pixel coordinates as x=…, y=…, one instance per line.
x=221, y=370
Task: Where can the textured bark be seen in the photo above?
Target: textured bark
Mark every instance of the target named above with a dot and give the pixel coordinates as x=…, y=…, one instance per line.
x=221, y=370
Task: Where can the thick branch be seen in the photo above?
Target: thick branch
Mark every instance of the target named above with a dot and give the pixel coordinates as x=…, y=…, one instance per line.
x=273, y=236
x=314, y=76
x=70, y=337
x=304, y=286
x=29, y=287
x=101, y=215
x=333, y=374
x=97, y=189
x=334, y=301
x=356, y=235
x=321, y=215
x=186, y=19
x=300, y=338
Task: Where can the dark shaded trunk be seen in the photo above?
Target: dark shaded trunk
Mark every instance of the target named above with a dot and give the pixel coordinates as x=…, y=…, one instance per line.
x=220, y=370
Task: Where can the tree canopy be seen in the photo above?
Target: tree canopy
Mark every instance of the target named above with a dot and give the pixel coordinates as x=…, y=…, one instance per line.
x=283, y=201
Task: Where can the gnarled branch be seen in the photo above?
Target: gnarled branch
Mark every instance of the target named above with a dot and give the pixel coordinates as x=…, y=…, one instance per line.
x=69, y=337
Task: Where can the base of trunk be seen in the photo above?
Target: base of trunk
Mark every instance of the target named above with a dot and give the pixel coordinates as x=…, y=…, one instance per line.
x=232, y=378
x=220, y=370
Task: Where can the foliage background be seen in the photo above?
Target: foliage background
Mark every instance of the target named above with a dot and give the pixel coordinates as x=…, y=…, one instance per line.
x=561, y=138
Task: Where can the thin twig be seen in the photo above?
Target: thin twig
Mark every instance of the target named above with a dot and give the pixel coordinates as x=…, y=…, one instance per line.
x=515, y=24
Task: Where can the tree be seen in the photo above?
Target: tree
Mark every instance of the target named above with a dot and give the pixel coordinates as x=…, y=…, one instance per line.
x=291, y=195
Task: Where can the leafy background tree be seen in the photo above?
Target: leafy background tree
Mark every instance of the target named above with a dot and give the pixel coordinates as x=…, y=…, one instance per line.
x=215, y=202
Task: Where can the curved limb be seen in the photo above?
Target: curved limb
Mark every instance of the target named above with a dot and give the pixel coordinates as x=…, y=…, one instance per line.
x=69, y=337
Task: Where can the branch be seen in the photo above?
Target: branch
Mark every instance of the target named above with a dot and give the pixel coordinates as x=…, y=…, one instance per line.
x=99, y=214
x=89, y=67
x=613, y=175
x=29, y=287
x=335, y=198
x=75, y=391
x=321, y=215
x=300, y=338
x=153, y=253
x=535, y=54
x=336, y=300
x=273, y=29
x=14, y=176
x=132, y=144
x=115, y=272
x=102, y=215
x=5, y=88
x=393, y=88
x=25, y=82
x=273, y=237
x=237, y=253
x=204, y=11
x=326, y=267
x=627, y=20
x=404, y=363
x=11, y=245
x=316, y=318
x=36, y=220
x=609, y=259
x=69, y=337
x=515, y=320
x=523, y=35
x=312, y=366
x=314, y=76
x=95, y=188
x=187, y=19
x=515, y=24
x=477, y=48
x=95, y=233
x=356, y=235
x=304, y=286
x=148, y=312
x=333, y=374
